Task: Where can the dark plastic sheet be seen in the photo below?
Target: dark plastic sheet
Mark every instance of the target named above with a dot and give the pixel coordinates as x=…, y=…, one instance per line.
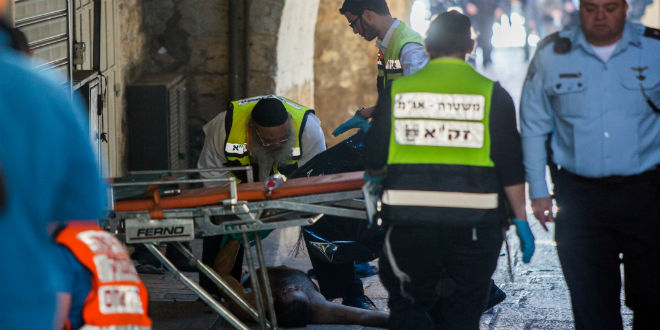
x=339, y=239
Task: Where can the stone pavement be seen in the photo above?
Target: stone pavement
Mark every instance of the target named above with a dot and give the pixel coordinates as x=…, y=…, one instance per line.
x=537, y=297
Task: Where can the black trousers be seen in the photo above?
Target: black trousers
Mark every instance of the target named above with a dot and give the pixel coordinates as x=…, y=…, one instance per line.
x=484, y=25
x=600, y=220
x=438, y=277
x=336, y=280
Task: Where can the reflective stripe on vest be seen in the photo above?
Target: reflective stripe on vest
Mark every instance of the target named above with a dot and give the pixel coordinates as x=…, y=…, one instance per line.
x=237, y=135
x=389, y=64
x=440, y=118
x=439, y=199
x=118, y=298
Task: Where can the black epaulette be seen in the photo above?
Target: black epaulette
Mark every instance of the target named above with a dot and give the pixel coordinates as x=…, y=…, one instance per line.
x=652, y=33
x=547, y=40
x=560, y=45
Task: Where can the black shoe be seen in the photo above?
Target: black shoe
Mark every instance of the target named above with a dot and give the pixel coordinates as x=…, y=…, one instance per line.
x=145, y=262
x=495, y=296
x=179, y=260
x=360, y=302
x=150, y=269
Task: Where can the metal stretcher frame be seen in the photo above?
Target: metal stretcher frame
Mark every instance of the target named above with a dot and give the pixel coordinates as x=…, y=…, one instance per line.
x=250, y=203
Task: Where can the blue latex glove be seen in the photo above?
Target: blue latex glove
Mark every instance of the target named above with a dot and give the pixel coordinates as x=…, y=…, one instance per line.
x=526, y=239
x=355, y=122
x=374, y=179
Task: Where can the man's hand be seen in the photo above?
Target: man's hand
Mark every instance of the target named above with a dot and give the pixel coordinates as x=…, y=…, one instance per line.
x=542, y=208
x=355, y=122
x=526, y=239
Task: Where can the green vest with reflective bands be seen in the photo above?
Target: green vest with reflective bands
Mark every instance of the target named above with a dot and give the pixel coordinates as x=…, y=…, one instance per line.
x=236, y=125
x=389, y=64
x=439, y=147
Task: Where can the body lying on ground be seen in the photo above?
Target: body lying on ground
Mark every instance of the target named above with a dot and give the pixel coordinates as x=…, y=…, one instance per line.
x=296, y=298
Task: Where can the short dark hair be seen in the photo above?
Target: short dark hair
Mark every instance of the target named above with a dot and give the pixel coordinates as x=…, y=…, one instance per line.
x=17, y=37
x=357, y=7
x=293, y=314
x=449, y=33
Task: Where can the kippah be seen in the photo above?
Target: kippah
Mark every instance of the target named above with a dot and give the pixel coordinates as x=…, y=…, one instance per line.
x=269, y=112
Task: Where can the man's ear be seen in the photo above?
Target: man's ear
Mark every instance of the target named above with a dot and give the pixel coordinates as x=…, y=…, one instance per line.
x=471, y=47
x=368, y=16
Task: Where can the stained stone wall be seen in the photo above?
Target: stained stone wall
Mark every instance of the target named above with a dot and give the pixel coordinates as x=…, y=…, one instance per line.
x=132, y=44
x=301, y=49
x=192, y=37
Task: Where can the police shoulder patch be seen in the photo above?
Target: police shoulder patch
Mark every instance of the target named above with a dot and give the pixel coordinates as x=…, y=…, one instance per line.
x=652, y=33
x=547, y=40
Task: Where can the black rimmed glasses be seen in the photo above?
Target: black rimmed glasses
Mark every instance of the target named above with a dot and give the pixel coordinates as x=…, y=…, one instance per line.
x=352, y=23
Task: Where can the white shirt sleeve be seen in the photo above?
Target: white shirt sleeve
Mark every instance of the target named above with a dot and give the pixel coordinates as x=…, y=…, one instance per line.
x=313, y=140
x=213, y=155
x=413, y=57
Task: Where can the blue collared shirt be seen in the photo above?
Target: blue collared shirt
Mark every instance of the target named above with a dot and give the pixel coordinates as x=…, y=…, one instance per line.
x=600, y=121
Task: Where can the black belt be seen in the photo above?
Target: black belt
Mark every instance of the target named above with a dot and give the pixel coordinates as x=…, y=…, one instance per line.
x=650, y=176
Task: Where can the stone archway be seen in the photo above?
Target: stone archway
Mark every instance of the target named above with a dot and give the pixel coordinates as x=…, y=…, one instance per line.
x=294, y=76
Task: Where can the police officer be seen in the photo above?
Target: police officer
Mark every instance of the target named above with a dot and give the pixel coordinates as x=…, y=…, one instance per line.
x=594, y=92
x=453, y=153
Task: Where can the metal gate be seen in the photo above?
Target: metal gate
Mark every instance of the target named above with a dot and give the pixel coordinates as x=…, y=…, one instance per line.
x=47, y=24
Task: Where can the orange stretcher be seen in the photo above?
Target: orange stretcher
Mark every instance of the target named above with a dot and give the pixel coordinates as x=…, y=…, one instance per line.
x=254, y=191
x=231, y=209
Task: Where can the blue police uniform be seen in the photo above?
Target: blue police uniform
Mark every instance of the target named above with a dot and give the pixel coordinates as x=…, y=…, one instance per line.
x=600, y=122
x=604, y=148
x=50, y=176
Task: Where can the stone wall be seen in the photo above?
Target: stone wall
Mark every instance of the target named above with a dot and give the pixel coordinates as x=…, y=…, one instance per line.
x=132, y=45
x=301, y=49
x=192, y=37
x=344, y=66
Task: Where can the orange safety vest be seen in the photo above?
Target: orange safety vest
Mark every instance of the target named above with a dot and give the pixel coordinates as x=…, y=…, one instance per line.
x=118, y=299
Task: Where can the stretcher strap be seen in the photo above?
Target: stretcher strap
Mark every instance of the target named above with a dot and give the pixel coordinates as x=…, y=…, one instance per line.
x=156, y=212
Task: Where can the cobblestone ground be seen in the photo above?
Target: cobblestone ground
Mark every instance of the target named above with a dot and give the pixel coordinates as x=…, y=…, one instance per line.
x=537, y=297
